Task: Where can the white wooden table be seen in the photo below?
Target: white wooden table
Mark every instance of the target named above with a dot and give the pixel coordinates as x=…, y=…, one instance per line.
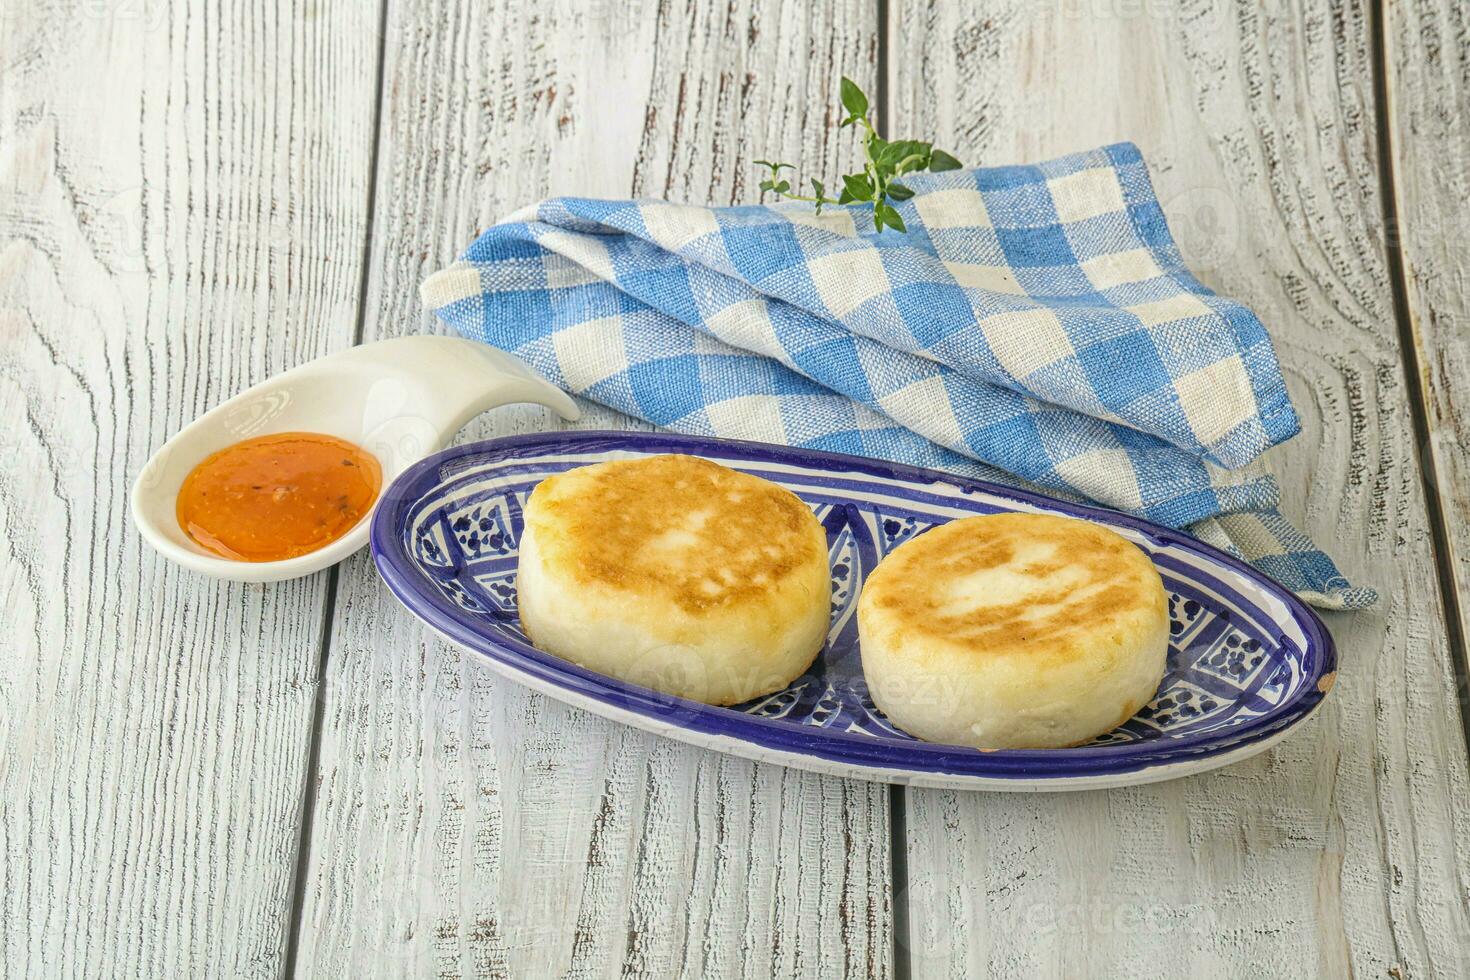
x=205, y=779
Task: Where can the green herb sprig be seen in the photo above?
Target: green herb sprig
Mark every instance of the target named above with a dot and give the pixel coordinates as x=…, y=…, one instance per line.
x=878, y=181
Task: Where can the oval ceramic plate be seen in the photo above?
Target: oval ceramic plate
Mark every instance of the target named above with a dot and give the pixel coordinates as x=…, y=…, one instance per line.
x=1247, y=661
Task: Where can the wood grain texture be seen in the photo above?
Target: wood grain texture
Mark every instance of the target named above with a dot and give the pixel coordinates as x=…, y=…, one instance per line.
x=182, y=209
x=467, y=826
x=1428, y=77
x=1344, y=851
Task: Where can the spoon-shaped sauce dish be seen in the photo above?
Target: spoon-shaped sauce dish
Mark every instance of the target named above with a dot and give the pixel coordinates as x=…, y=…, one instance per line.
x=399, y=399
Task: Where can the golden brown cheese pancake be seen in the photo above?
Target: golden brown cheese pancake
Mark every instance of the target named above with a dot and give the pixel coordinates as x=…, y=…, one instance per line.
x=675, y=573
x=1013, y=631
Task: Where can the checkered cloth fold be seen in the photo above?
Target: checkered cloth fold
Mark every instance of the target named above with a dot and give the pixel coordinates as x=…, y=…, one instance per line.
x=1035, y=325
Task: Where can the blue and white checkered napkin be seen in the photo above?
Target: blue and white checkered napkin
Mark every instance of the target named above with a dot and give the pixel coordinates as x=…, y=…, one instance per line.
x=1034, y=322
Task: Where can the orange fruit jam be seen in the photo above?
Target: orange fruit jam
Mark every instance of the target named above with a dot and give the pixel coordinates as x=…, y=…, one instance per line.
x=278, y=496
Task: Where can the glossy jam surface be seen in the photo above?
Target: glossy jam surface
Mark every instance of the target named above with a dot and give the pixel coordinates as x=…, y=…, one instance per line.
x=278, y=496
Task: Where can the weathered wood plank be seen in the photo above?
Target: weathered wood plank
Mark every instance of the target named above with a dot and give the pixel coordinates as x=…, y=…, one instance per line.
x=182, y=210
x=463, y=824
x=1428, y=77
x=1346, y=849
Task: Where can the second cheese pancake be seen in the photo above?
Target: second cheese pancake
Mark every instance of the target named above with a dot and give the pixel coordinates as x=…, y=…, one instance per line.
x=1013, y=631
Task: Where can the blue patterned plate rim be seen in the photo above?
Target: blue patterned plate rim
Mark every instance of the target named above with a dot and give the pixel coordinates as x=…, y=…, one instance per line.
x=403, y=577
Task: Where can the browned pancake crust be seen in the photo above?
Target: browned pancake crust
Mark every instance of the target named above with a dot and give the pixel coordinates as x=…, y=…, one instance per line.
x=1108, y=581
x=612, y=526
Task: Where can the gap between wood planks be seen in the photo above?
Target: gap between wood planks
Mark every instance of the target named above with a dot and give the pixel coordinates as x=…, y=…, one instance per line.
x=297, y=905
x=1398, y=277
x=898, y=863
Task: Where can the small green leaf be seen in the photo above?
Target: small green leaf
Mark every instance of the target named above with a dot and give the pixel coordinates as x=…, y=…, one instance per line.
x=876, y=146
x=901, y=154
x=884, y=214
x=914, y=156
x=767, y=184
x=817, y=186
x=940, y=161
x=898, y=191
x=782, y=187
x=859, y=188
x=853, y=99
x=764, y=163
x=845, y=197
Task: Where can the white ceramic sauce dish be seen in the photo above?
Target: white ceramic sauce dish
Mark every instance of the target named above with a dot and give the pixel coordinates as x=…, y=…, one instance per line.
x=399, y=399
